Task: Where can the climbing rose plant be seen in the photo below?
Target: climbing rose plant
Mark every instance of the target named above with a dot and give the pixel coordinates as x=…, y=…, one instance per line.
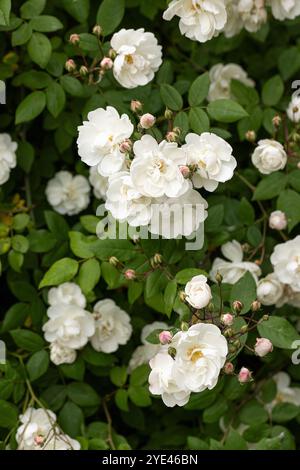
x=169, y=122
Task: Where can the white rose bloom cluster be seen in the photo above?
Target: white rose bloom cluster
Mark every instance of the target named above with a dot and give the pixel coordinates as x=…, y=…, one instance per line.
x=138, y=57
x=146, y=351
x=253, y=14
x=39, y=431
x=152, y=189
x=293, y=110
x=70, y=327
x=284, y=9
x=220, y=76
x=269, y=156
x=68, y=194
x=200, y=355
x=235, y=268
x=285, y=393
x=8, y=159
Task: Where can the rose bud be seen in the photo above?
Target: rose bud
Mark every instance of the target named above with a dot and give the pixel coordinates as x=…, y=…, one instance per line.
x=263, y=346
x=228, y=368
x=255, y=306
x=250, y=136
x=136, y=106
x=130, y=274
x=70, y=65
x=125, y=146
x=171, y=136
x=165, y=337
x=147, y=121
x=83, y=71
x=237, y=306
x=74, y=39
x=184, y=170
x=97, y=30
x=106, y=63
x=278, y=220
x=244, y=375
x=227, y=319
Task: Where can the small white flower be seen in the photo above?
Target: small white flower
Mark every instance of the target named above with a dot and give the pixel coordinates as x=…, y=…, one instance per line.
x=142, y=354
x=200, y=20
x=285, y=393
x=220, y=80
x=285, y=9
x=100, y=137
x=8, y=158
x=70, y=325
x=155, y=169
x=286, y=263
x=66, y=293
x=138, y=57
x=269, y=290
x=269, y=156
x=293, y=110
x=98, y=182
x=212, y=157
x=198, y=293
x=112, y=326
x=278, y=220
x=175, y=217
x=234, y=269
x=61, y=355
x=234, y=24
x=68, y=194
x=253, y=14
x=125, y=202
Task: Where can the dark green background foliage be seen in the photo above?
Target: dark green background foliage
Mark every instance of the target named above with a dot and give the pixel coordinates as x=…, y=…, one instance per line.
x=45, y=105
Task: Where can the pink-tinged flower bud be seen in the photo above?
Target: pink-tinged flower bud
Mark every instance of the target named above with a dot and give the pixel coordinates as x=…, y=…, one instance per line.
x=255, y=306
x=263, y=346
x=171, y=136
x=184, y=170
x=83, y=71
x=74, y=39
x=228, y=368
x=227, y=319
x=278, y=220
x=147, y=121
x=106, y=63
x=165, y=337
x=244, y=375
x=237, y=306
x=130, y=274
x=39, y=440
x=97, y=30
x=125, y=146
x=276, y=121
x=136, y=106
x=70, y=65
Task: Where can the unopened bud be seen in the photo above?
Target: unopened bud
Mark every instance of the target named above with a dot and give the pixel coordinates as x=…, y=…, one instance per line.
x=219, y=278
x=147, y=121
x=83, y=71
x=74, y=39
x=298, y=165
x=130, y=274
x=125, y=146
x=136, y=106
x=210, y=307
x=276, y=121
x=168, y=114
x=227, y=319
x=265, y=317
x=184, y=326
x=182, y=295
x=172, y=352
x=250, y=136
x=113, y=261
x=263, y=346
x=228, y=333
x=112, y=54
x=244, y=329
x=237, y=306
x=244, y=375
x=165, y=337
x=278, y=220
x=97, y=30
x=228, y=368
x=106, y=63
x=70, y=65
x=184, y=170
x=156, y=260
x=232, y=349
x=255, y=306
x=237, y=343
x=171, y=136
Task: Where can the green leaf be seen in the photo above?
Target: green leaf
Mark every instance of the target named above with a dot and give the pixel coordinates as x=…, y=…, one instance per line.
x=234, y=441
x=19, y=243
x=194, y=443
x=289, y=62
x=215, y=218
x=245, y=291
x=88, y=42
x=8, y=414
x=32, y=8
x=56, y=98
x=110, y=15
x=82, y=394
x=15, y=316
x=121, y=399
x=89, y=275
x=20, y=221
x=25, y=156
x=272, y=91
x=45, y=24
x=118, y=375
x=169, y=296
x=57, y=225
x=75, y=370
x=79, y=9
x=171, y=98
x=139, y=376
x=182, y=121
x=81, y=245
x=15, y=260
x=30, y=107
x=289, y=202
x=71, y=419
x=155, y=283
x=199, y=90
x=61, y=271
x=199, y=120
x=283, y=412
x=245, y=95
x=37, y=364
x=96, y=358
x=41, y=241
x=213, y=413
x=27, y=340
x=246, y=212
x=5, y=7
x=139, y=396
x=279, y=331
x=185, y=275
x=226, y=111
x=270, y=186
x=253, y=413
x=21, y=35
x=71, y=85
x=39, y=49
x=135, y=290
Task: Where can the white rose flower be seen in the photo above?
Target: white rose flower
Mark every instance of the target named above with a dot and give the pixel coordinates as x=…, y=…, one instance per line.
x=98, y=182
x=66, y=293
x=269, y=290
x=61, y=354
x=269, y=156
x=286, y=263
x=8, y=158
x=112, y=326
x=220, y=79
x=234, y=269
x=175, y=217
x=100, y=137
x=198, y=293
x=68, y=194
x=278, y=220
x=233, y=25
x=39, y=431
x=285, y=9
x=138, y=57
x=142, y=354
x=71, y=326
x=125, y=202
x=293, y=110
x=213, y=158
x=200, y=355
x=155, y=169
x=200, y=20
x=162, y=381
x=285, y=393
x=253, y=14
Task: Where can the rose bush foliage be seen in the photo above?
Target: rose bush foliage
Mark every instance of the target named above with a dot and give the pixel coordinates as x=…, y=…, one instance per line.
x=140, y=343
